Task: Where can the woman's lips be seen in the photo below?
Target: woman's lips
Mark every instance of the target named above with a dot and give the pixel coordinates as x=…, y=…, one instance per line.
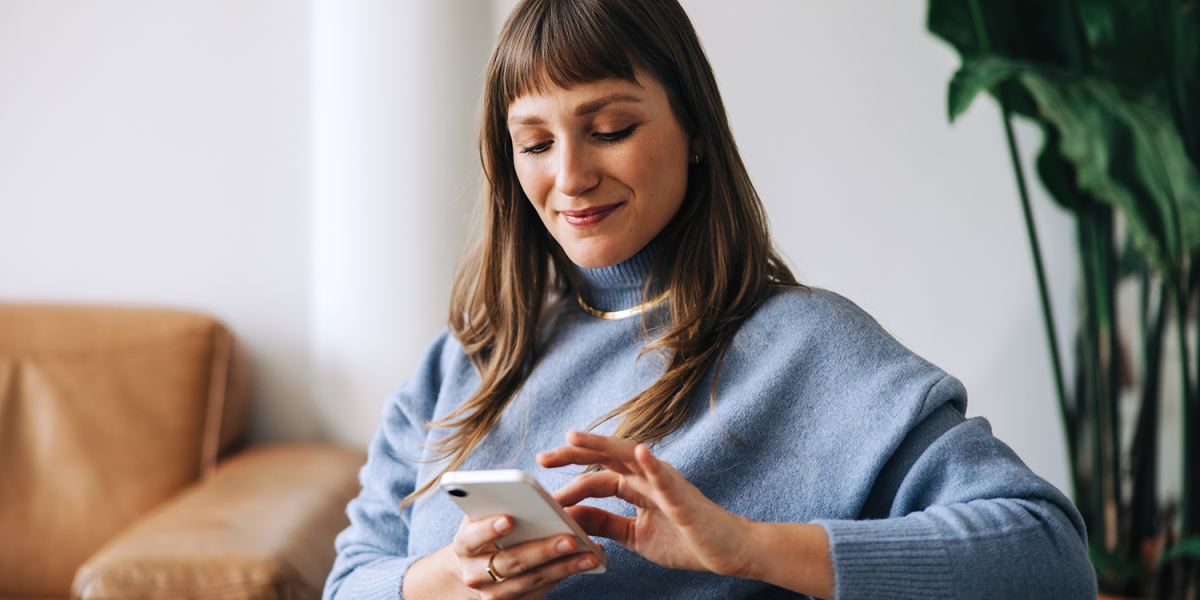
x=590, y=216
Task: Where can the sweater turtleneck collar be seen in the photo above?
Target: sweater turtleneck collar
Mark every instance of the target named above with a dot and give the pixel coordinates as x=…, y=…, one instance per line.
x=618, y=287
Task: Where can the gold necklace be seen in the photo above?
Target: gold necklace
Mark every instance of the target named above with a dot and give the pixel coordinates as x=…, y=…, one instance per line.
x=620, y=314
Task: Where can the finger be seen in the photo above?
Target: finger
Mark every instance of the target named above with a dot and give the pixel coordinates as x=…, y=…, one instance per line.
x=672, y=492
x=617, y=447
x=599, y=484
x=518, y=559
x=544, y=575
x=476, y=537
x=602, y=523
x=571, y=455
x=615, y=454
x=660, y=475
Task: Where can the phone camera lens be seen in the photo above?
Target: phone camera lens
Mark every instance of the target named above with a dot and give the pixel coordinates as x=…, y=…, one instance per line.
x=461, y=493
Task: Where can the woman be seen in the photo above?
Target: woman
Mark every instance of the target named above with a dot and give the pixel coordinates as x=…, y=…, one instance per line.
x=755, y=438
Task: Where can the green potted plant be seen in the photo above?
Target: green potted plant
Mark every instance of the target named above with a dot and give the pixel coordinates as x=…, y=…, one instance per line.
x=1114, y=85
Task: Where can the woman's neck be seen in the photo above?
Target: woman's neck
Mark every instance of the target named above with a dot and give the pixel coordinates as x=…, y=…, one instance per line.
x=620, y=286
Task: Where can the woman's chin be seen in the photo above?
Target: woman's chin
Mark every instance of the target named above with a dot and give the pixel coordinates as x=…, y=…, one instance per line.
x=590, y=255
x=591, y=262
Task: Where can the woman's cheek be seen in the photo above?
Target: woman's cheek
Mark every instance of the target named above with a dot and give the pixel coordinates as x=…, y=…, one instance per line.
x=528, y=182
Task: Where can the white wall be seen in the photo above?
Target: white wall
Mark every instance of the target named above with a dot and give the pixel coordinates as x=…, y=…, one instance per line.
x=303, y=170
x=157, y=153
x=395, y=88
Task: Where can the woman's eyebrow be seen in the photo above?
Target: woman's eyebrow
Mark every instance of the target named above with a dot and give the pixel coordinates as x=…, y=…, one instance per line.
x=586, y=108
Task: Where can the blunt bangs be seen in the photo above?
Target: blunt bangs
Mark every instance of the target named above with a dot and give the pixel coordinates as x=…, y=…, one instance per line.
x=551, y=44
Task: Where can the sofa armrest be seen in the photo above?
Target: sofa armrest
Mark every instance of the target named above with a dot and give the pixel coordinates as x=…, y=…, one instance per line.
x=261, y=527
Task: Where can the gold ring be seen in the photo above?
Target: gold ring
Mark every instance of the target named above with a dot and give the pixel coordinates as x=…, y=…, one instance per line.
x=495, y=578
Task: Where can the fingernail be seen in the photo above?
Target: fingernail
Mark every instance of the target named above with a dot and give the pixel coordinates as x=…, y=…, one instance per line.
x=502, y=525
x=587, y=562
x=565, y=546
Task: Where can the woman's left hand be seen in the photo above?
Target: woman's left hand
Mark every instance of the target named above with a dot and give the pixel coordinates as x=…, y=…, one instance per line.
x=676, y=525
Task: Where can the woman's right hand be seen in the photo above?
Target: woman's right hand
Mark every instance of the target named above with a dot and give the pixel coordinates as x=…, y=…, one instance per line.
x=527, y=571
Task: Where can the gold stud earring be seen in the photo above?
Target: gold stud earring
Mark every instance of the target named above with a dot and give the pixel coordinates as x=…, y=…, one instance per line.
x=696, y=158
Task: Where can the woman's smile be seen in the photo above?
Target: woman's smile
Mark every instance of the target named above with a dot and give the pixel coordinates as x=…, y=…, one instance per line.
x=587, y=217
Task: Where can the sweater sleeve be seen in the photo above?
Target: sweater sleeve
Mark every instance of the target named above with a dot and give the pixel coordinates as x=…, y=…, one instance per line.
x=372, y=553
x=967, y=519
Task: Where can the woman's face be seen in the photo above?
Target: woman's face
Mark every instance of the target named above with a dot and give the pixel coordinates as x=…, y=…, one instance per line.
x=605, y=164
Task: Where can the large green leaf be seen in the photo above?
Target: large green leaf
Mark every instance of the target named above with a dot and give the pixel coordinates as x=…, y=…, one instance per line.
x=1145, y=47
x=1057, y=173
x=1181, y=42
x=1122, y=42
x=1030, y=30
x=1123, y=151
x=1127, y=153
x=1149, y=48
x=985, y=73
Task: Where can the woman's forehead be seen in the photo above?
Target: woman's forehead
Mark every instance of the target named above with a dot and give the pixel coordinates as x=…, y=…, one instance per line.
x=581, y=100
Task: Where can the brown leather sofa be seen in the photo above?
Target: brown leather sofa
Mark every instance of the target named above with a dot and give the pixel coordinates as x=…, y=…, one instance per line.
x=120, y=469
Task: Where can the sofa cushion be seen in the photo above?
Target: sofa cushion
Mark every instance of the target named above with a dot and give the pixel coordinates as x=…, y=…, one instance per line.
x=261, y=528
x=104, y=413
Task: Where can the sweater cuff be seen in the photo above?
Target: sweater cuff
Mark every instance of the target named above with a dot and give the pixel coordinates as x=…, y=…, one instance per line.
x=887, y=558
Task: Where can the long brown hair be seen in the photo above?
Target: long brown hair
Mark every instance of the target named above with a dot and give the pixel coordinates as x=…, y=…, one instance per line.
x=716, y=259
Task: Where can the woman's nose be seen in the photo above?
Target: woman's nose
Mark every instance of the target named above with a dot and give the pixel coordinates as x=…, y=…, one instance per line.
x=577, y=172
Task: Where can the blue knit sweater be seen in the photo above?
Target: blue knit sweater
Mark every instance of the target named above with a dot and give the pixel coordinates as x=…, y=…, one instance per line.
x=821, y=417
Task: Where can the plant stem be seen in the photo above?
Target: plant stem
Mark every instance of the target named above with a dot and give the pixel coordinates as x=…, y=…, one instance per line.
x=1143, y=461
x=1191, y=477
x=1040, y=273
x=1096, y=392
x=1187, y=521
x=1109, y=354
x=1031, y=230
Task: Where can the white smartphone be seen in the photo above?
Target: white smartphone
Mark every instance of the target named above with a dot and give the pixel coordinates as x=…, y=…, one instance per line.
x=535, y=514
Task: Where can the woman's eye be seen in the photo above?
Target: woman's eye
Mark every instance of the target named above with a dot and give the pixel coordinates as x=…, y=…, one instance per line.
x=615, y=136
x=536, y=149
